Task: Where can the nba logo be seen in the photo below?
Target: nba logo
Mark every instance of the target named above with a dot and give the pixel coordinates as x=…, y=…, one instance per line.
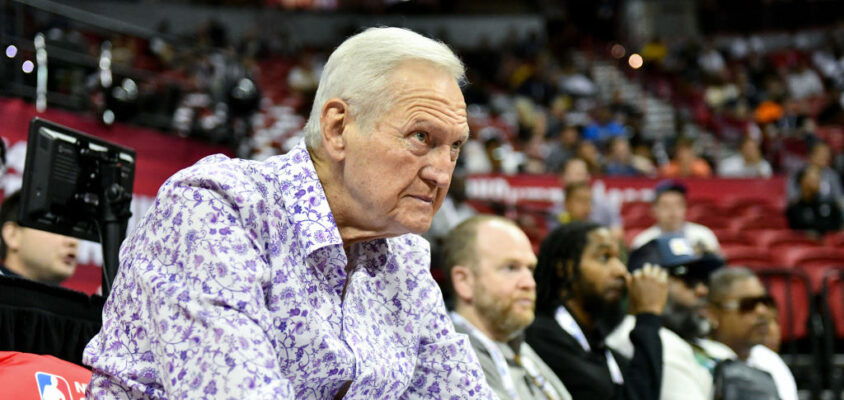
x=52, y=387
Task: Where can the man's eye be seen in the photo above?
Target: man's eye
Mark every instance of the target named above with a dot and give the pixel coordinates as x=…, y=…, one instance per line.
x=420, y=136
x=457, y=145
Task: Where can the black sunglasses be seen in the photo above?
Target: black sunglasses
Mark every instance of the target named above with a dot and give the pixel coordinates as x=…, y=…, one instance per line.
x=748, y=304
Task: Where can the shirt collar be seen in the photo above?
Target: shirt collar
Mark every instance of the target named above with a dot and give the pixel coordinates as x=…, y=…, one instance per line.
x=315, y=229
x=305, y=202
x=7, y=272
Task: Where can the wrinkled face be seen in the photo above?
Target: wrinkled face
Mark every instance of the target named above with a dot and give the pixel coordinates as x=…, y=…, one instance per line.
x=45, y=256
x=504, y=291
x=399, y=172
x=579, y=203
x=670, y=211
x=742, y=328
x=602, y=274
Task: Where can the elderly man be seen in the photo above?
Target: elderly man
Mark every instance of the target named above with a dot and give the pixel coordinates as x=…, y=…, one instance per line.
x=31, y=253
x=741, y=312
x=491, y=262
x=301, y=277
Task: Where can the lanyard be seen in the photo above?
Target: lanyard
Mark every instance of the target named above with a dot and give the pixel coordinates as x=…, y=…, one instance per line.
x=501, y=362
x=569, y=325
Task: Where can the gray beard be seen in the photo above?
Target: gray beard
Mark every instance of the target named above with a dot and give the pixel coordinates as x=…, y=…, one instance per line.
x=685, y=321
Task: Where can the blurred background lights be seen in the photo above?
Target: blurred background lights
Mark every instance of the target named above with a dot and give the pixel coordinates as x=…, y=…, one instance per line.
x=618, y=51
x=27, y=66
x=11, y=51
x=635, y=61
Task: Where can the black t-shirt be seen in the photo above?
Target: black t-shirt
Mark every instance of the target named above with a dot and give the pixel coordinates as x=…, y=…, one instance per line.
x=586, y=375
x=814, y=215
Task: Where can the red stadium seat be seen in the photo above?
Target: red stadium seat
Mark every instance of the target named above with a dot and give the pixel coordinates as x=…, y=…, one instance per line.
x=813, y=260
x=729, y=237
x=833, y=301
x=813, y=256
x=747, y=256
x=639, y=222
x=775, y=238
x=634, y=209
x=738, y=206
x=792, y=291
x=834, y=239
x=711, y=221
x=757, y=222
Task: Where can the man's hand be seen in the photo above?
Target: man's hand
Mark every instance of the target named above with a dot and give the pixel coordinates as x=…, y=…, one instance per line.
x=648, y=289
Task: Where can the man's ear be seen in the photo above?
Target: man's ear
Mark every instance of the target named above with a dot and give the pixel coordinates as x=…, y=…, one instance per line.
x=334, y=122
x=463, y=280
x=10, y=232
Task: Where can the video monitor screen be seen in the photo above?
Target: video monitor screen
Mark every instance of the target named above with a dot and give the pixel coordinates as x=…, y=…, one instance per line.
x=63, y=179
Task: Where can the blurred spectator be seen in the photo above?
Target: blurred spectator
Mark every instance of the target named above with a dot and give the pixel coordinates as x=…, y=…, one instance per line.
x=604, y=210
x=710, y=59
x=575, y=83
x=686, y=163
x=562, y=149
x=491, y=263
x=578, y=203
x=829, y=187
x=740, y=308
x=654, y=51
x=580, y=291
x=31, y=253
x=812, y=212
x=686, y=370
x=804, y=82
x=669, y=210
x=589, y=153
x=747, y=164
x=603, y=128
x=622, y=162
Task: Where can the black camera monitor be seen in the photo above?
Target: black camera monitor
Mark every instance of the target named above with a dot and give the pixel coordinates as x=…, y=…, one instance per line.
x=69, y=176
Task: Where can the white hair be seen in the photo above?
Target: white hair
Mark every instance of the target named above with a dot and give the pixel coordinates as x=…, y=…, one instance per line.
x=358, y=72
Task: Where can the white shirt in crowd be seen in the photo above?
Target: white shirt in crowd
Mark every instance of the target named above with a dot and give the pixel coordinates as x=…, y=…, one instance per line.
x=767, y=360
x=698, y=235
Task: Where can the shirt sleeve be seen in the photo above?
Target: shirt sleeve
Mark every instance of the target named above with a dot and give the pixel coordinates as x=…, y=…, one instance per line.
x=195, y=265
x=644, y=376
x=446, y=367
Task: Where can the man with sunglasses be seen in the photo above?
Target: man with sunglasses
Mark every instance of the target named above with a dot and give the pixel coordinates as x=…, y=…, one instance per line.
x=687, y=367
x=741, y=311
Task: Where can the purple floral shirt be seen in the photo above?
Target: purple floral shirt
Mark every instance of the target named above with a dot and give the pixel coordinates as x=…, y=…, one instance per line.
x=232, y=288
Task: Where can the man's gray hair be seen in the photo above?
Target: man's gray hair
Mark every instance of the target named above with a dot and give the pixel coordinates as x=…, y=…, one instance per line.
x=358, y=72
x=721, y=281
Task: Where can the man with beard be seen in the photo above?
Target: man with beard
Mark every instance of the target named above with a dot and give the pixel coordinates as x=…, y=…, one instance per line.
x=491, y=263
x=580, y=287
x=741, y=312
x=688, y=359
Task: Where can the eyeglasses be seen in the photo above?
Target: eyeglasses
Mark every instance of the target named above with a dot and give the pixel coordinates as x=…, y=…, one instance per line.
x=748, y=304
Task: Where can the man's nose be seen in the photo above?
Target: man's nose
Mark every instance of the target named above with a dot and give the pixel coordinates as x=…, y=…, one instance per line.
x=439, y=168
x=701, y=290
